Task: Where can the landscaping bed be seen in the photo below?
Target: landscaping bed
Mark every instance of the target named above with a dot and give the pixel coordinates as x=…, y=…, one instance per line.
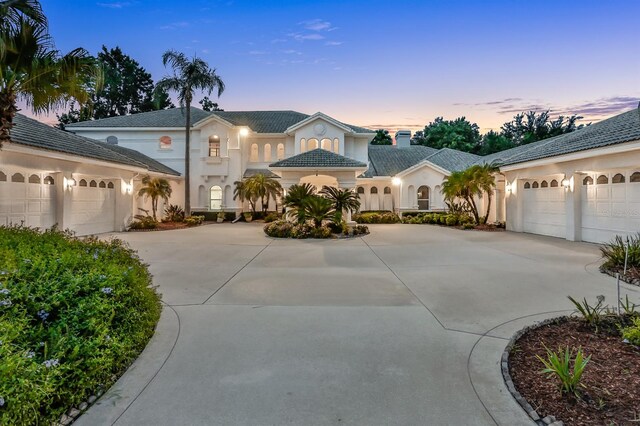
x=613, y=254
x=286, y=229
x=608, y=390
x=74, y=314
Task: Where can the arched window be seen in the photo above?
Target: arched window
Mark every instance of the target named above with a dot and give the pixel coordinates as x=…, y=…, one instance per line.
x=336, y=146
x=49, y=180
x=360, y=190
x=110, y=185
x=214, y=146
x=635, y=177
x=112, y=140
x=82, y=182
x=267, y=152
x=215, y=198
x=280, y=151
x=17, y=177
x=303, y=145
x=165, y=142
x=602, y=180
x=374, y=190
x=102, y=184
x=587, y=180
x=326, y=144
x=554, y=183
x=93, y=184
x=387, y=190
x=527, y=185
x=534, y=185
x=34, y=179
x=312, y=144
x=618, y=178
x=254, y=153
x=423, y=198
x=3, y=177
x=544, y=184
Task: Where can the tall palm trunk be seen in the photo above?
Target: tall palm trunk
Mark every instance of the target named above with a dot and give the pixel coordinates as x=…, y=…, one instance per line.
x=486, y=216
x=187, y=162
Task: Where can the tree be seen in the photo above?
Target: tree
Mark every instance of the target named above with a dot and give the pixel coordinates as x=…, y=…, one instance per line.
x=189, y=76
x=208, y=105
x=242, y=193
x=382, y=137
x=262, y=187
x=295, y=200
x=155, y=188
x=318, y=209
x=341, y=200
x=457, y=134
x=485, y=182
x=494, y=142
x=33, y=70
x=468, y=184
x=527, y=127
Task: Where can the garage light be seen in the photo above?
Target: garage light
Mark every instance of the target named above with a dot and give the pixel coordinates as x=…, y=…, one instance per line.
x=71, y=182
x=507, y=186
x=567, y=184
x=396, y=181
x=244, y=131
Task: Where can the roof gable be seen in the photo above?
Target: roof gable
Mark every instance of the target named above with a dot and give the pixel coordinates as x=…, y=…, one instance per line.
x=318, y=158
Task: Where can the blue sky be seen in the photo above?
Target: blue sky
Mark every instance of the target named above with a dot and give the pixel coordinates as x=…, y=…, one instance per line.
x=386, y=64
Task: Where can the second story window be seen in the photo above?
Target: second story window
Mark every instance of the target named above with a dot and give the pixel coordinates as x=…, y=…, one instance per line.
x=214, y=146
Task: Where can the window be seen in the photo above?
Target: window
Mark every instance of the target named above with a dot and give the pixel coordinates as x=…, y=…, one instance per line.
x=165, y=142
x=49, y=180
x=527, y=185
x=336, y=146
x=303, y=145
x=267, y=152
x=34, y=179
x=280, y=153
x=254, y=153
x=374, y=190
x=82, y=182
x=587, y=181
x=93, y=184
x=544, y=184
x=215, y=198
x=214, y=146
x=534, y=185
x=618, y=178
x=102, y=184
x=326, y=144
x=3, y=177
x=423, y=198
x=387, y=190
x=112, y=140
x=17, y=177
x=635, y=177
x=312, y=144
x=110, y=185
x=554, y=183
x=360, y=190
x=602, y=179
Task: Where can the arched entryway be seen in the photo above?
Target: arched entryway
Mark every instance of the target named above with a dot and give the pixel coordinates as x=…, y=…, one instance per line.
x=423, y=197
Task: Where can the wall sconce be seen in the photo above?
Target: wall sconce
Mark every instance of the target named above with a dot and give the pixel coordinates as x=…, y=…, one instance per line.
x=128, y=187
x=396, y=181
x=71, y=182
x=567, y=184
x=507, y=187
x=244, y=131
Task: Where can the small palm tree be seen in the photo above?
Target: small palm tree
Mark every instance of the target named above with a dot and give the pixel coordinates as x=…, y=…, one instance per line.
x=318, y=209
x=155, y=188
x=264, y=188
x=459, y=185
x=483, y=176
x=342, y=200
x=295, y=198
x=189, y=75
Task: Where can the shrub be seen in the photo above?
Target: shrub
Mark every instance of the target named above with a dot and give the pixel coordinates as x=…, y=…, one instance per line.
x=74, y=315
x=144, y=222
x=451, y=220
x=301, y=231
x=376, y=217
x=278, y=229
x=173, y=213
x=273, y=216
x=591, y=314
x=613, y=253
x=632, y=333
x=468, y=225
x=559, y=364
x=360, y=230
x=321, y=232
x=194, y=220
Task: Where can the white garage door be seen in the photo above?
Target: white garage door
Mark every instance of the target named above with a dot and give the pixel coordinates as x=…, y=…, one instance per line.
x=93, y=207
x=544, y=208
x=27, y=198
x=610, y=205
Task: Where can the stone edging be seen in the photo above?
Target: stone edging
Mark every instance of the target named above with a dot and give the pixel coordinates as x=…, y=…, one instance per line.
x=504, y=363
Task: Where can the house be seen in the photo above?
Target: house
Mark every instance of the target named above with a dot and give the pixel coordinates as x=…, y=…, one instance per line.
x=49, y=176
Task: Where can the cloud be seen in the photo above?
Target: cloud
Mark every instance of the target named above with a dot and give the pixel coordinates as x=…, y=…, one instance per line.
x=306, y=36
x=292, y=52
x=279, y=40
x=333, y=43
x=317, y=25
x=258, y=52
x=175, y=25
x=115, y=4
x=605, y=106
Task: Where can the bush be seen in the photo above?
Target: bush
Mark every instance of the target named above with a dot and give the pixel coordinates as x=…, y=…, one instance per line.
x=194, y=220
x=451, y=220
x=278, y=229
x=613, y=253
x=144, y=222
x=74, y=314
x=632, y=333
x=321, y=232
x=273, y=216
x=360, y=230
x=559, y=364
x=173, y=213
x=468, y=225
x=376, y=217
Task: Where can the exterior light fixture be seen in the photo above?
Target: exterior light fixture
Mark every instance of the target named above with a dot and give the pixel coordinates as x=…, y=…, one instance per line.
x=507, y=186
x=396, y=181
x=566, y=183
x=71, y=182
x=244, y=131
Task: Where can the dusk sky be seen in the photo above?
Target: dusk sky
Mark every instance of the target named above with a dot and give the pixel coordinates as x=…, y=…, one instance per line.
x=383, y=64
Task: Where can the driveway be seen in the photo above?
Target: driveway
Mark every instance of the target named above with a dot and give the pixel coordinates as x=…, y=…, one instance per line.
x=405, y=326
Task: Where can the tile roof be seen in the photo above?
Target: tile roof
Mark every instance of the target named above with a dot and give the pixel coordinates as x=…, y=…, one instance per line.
x=389, y=160
x=33, y=133
x=453, y=160
x=320, y=158
x=253, y=172
x=258, y=121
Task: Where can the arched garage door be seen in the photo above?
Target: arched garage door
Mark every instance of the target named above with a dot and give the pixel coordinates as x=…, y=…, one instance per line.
x=544, y=208
x=93, y=207
x=27, y=198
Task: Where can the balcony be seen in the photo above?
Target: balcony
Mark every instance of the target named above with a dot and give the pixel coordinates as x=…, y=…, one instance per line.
x=214, y=166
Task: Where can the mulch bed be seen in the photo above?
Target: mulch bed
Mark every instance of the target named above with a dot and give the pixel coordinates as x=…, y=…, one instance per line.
x=631, y=277
x=611, y=392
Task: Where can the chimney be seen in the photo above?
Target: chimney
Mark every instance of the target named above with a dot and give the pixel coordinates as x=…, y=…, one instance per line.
x=403, y=138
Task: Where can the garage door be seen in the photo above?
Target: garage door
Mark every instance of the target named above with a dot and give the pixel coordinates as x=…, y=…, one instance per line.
x=93, y=207
x=610, y=205
x=27, y=198
x=544, y=208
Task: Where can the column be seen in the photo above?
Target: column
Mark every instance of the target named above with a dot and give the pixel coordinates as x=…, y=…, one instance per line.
x=573, y=206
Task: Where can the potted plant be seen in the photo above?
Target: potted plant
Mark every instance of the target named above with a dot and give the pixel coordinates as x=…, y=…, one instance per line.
x=220, y=217
x=248, y=216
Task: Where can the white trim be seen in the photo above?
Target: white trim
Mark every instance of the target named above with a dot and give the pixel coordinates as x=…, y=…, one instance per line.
x=316, y=116
x=310, y=169
x=124, y=129
x=421, y=164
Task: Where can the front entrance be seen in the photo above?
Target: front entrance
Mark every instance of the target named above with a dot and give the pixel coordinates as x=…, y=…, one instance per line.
x=320, y=180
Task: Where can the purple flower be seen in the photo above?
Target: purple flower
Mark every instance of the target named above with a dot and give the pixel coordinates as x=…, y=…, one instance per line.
x=106, y=290
x=51, y=363
x=30, y=354
x=43, y=314
x=5, y=302
x=102, y=277
x=1, y=401
x=4, y=291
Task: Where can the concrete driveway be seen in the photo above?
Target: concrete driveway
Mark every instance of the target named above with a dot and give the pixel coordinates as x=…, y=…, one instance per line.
x=403, y=327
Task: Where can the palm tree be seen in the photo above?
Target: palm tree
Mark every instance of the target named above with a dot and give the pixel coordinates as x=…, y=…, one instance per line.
x=342, y=200
x=155, y=188
x=460, y=185
x=188, y=76
x=318, y=209
x=485, y=182
x=295, y=199
x=33, y=71
x=263, y=187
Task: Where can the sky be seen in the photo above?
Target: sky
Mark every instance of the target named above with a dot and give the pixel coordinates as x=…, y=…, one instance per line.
x=382, y=64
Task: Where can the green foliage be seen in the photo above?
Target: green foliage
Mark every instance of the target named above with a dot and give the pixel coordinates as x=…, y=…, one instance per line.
x=286, y=229
x=257, y=187
x=220, y=216
x=457, y=134
x=74, y=315
x=271, y=217
x=628, y=307
x=318, y=209
x=591, y=314
x=493, y=142
x=295, y=199
x=451, y=220
x=173, y=213
x=613, y=253
x=208, y=105
x=468, y=184
x=144, y=222
x=155, y=188
x=531, y=126
x=341, y=200
x=278, y=229
x=373, y=217
x=360, y=230
x=632, y=333
x=382, y=137
x=559, y=364
x=194, y=220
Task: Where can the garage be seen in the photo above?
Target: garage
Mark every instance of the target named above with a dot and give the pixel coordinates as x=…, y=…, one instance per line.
x=27, y=198
x=93, y=206
x=610, y=205
x=544, y=208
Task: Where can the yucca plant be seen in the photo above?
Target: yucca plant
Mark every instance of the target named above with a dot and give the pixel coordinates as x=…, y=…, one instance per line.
x=591, y=314
x=566, y=367
x=613, y=253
